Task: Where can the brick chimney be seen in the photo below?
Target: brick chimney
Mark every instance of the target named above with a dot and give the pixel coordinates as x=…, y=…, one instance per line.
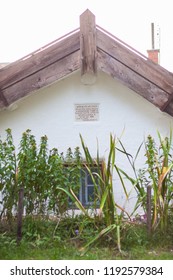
x=154, y=53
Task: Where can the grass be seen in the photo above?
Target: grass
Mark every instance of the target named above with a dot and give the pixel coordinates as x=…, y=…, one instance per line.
x=26, y=252
x=67, y=251
x=52, y=240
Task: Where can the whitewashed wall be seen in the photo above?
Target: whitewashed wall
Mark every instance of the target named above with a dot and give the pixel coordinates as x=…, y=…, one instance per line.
x=51, y=111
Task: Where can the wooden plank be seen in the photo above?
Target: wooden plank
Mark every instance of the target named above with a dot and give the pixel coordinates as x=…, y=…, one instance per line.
x=2, y=106
x=152, y=72
x=88, y=48
x=164, y=107
x=3, y=100
x=43, y=78
x=19, y=70
x=131, y=79
x=169, y=108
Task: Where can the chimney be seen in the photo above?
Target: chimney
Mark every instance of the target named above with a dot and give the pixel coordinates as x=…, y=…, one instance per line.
x=154, y=53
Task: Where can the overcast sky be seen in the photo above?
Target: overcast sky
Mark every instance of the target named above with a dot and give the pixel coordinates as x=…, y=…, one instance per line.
x=26, y=25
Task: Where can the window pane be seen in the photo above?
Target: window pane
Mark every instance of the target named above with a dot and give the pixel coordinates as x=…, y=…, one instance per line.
x=89, y=178
x=90, y=194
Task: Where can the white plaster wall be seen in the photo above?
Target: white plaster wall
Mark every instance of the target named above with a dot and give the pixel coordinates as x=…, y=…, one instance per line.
x=50, y=111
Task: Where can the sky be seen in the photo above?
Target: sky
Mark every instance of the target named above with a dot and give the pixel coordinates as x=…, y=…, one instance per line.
x=26, y=25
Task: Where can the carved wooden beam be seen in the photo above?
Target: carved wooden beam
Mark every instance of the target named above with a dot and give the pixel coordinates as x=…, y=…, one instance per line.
x=3, y=100
x=169, y=108
x=157, y=75
x=43, y=77
x=88, y=48
x=23, y=68
x=131, y=79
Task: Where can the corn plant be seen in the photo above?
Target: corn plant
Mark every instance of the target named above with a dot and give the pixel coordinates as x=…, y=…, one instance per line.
x=138, y=182
x=157, y=173
x=160, y=166
x=103, y=183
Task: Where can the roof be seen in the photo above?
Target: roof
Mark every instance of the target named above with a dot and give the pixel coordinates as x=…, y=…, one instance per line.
x=3, y=64
x=89, y=48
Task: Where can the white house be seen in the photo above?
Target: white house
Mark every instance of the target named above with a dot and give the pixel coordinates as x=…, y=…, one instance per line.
x=90, y=83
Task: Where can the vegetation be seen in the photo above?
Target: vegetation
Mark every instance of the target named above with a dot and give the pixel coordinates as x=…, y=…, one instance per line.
x=54, y=239
x=40, y=171
x=157, y=173
x=51, y=182
x=103, y=183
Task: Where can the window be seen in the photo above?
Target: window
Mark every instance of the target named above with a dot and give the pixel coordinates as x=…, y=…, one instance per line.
x=87, y=191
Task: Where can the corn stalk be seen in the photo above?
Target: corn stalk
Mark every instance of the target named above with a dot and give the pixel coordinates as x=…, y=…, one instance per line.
x=160, y=165
x=103, y=184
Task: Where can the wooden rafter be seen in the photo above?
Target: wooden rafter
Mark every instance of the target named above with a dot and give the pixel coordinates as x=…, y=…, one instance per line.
x=141, y=66
x=3, y=100
x=169, y=108
x=43, y=77
x=39, y=69
x=128, y=77
x=27, y=66
x=137, y=72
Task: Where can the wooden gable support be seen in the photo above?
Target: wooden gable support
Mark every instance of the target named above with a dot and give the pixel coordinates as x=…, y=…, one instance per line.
x=88, y=48
x=39, y=69
x=148, y=79
x=3, y=100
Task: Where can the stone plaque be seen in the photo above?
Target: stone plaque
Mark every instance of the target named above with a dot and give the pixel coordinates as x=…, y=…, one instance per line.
x=87, y=112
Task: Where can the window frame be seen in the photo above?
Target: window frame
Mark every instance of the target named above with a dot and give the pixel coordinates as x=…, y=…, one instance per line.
x=83, y=191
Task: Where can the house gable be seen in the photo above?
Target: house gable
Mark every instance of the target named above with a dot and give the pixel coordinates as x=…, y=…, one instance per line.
x=89, y=49
x=52, y=112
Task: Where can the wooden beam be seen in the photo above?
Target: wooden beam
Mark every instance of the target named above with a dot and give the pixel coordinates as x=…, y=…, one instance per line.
x=3, y=100
x=169, y=108
x=42, y=78
x=166, y=105
x=2, y=107
x=36, y=61
x=88, y=48
x=131, y=79
x=150, y=71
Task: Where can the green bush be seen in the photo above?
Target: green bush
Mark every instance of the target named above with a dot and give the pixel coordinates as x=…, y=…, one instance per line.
x=40, y=172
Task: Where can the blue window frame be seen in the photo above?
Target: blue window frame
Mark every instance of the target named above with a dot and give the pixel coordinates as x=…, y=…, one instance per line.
x=87, y=193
